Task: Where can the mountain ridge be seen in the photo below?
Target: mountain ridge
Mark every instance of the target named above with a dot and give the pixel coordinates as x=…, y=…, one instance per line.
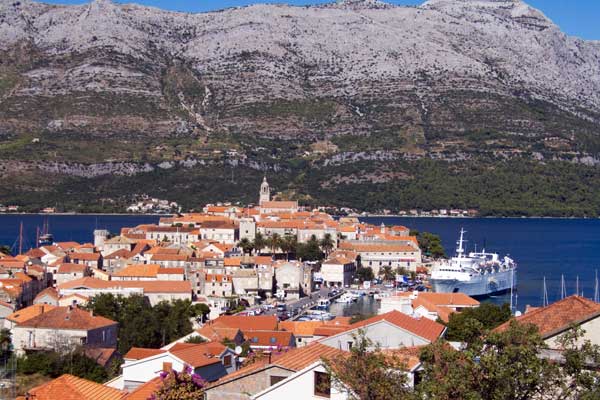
x=295, y=89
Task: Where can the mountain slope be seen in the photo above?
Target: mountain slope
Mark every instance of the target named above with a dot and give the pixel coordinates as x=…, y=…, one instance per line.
x=353, y=94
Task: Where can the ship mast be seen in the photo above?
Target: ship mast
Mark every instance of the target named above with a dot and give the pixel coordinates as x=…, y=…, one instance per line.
x=460, y=250
x=563, y=290
x=577, y=286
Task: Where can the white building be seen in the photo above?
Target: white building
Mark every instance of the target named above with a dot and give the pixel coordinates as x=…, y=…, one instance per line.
x=338, y=271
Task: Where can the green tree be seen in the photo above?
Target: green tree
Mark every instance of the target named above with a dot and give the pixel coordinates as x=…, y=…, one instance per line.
x=310, y=251
x=5, y=250
x=289, y=243
x=471, y=323
x=274, y=242
x=246, y=245
x=368, y=372
x=327, y=244
x=581, y=358
x=142, y=325
x=501, y=366
x=431, y=245
x=195, y=339
x=259, y=242
x=364, y=274
x=387, y=273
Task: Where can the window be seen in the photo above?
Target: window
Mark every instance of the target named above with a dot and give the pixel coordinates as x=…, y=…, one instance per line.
x=322, y=384
x=349, y=345
x=227, y=361
x=275, y=379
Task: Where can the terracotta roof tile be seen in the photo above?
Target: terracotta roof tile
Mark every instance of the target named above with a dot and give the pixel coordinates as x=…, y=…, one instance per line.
x=559, y=316
x=249, y=323
x=69, y=387
x=139, y=270
x=69, y=268
x=85, y=256
x=145, y=391
x=377, y=247
x=422, y=327
x=101, y=355
x=302, y=357
x=67, y=318
x=27, y=313
x=137, y=353
x=269, y=338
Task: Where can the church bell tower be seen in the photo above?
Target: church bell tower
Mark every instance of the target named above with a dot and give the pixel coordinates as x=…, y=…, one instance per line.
x=265, y=191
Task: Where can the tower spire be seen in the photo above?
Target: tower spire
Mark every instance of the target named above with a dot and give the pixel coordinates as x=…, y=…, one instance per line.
x=265, y=191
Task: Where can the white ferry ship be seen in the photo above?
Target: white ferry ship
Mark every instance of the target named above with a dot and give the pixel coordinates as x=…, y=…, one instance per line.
x=476, y=274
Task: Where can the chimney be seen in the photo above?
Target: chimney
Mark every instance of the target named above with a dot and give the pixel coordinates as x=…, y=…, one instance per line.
x=167, y=367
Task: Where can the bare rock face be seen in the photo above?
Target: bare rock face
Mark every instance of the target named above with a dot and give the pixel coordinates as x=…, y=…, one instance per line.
x=419, y=81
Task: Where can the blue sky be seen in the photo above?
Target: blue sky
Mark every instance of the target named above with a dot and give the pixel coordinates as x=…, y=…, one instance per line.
x=576, y=17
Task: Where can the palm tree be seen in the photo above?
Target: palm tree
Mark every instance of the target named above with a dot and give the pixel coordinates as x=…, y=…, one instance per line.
x=288, y=245
x=259, y=242
x=274, y=242
x=327, y=244
x=388, y=273
x=246, y=245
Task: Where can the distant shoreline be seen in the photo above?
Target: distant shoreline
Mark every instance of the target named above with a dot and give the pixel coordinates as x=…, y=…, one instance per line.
x=336, y=216
x=91, y=214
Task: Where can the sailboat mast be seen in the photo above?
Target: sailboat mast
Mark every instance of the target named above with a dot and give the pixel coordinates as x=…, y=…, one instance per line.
x=545, y=295
x=577, y=286
x=511, y=291
x=596, y=288
x=21, y=238
x=563, y=290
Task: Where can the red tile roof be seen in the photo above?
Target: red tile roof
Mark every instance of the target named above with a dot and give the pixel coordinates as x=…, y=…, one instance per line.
x=27, y=313
x=302, y=357
x=71, y=269
x=101, y=355
x=69, y=387
x=559, y=316
x=85, y=256
x=247, y=323
x=145, y=391
x=148, y=286
x=67, y=318
x=137, y=353
x=422, y=327
x=269, y=338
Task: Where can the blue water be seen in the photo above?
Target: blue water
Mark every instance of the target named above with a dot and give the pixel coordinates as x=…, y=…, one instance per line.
x=78, y=228
x=541, y=247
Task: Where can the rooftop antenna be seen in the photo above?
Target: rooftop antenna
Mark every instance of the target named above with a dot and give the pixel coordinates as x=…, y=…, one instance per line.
x=545, y=294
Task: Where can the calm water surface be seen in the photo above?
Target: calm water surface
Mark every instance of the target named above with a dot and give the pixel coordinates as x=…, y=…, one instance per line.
x=541, y=247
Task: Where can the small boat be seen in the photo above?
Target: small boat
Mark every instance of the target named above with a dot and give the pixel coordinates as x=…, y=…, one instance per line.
x=345, y=298
x=323, y=304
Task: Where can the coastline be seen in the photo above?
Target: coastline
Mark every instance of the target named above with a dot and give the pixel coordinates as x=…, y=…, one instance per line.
x=116, y=214
x=89, y=214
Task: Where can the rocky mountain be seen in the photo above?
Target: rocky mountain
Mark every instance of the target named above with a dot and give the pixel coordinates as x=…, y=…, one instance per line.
x=360, y=95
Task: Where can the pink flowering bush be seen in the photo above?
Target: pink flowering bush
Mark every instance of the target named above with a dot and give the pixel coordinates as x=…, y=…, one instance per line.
x=184, y=385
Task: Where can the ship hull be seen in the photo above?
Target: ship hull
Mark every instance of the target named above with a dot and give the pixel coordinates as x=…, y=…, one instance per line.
x=478, y=286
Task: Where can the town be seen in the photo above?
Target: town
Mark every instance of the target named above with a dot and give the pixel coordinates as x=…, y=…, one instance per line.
x=235, y=303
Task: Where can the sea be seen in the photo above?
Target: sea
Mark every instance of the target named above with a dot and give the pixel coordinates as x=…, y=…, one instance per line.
x=542, y=247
